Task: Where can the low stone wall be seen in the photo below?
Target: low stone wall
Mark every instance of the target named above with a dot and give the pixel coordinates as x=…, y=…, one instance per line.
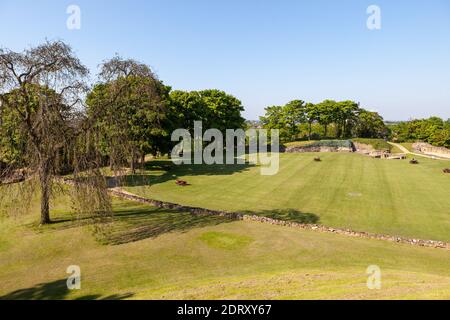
x=301, y=149
x=238, y=216
x=15, y=176
x=428, y=149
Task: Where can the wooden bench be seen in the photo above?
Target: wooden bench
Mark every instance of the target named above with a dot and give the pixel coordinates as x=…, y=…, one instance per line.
x=181, y=183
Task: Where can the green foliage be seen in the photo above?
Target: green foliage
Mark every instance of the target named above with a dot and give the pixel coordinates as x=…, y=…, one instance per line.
x=433, y=130
x=12, y=139
x=298, y=119
x=15, y=138
x=286, y=118
x=128, y=111
x=215, y=108
x=370, y=124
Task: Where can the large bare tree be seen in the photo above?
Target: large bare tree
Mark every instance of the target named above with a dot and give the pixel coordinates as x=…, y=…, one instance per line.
x=41, y=90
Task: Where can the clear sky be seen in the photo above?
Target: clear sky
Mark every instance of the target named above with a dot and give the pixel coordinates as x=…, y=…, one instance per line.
x=263, y=52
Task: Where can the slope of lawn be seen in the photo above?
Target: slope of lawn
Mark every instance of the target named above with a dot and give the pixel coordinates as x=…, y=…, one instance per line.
x=302, y=143
x=160, y=254
x=343, y=190
x=409, y=146
x=377, y=144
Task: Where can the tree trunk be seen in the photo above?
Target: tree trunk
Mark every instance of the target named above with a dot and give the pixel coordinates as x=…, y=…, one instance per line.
x=309, y=132
x=143, y=160
x=326, y=130
x=338, y=130
x=44, y=177
x=133, y=162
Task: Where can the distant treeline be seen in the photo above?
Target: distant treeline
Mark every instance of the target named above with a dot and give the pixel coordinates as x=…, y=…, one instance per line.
x=434, y=131
x=329, y=119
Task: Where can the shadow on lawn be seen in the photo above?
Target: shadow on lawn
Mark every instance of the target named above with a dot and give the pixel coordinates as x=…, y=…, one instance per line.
x=171, y=171
x=291, y=215
x=135, y=222
x=56, y=290
x=141, y=223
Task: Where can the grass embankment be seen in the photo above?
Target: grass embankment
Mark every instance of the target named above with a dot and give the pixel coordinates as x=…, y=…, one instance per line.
x=171, y=255
x=377, y=144
x=409, y=146
x=300, y=143
x=320, y=143
x=344, y=190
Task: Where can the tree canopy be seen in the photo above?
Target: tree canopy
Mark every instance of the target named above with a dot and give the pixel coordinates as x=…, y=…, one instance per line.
x=433, y=130
x=128, y=106
x=215, y=108
x=297, y=119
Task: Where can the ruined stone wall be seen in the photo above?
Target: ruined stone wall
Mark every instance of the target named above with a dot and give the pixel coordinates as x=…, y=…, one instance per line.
x=363, y=148
x=246, y=217
x=428, y=149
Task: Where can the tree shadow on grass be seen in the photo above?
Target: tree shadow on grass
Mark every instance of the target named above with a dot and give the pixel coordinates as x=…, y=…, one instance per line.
x=142, y=223
x=167, y=171
x=56, y=290
x=291, y=215
x=133, y=222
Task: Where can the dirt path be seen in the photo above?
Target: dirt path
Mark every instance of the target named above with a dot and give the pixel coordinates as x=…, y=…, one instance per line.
x=414, y=153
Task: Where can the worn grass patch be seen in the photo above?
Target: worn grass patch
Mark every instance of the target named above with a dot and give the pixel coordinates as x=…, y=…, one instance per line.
x=226, y=241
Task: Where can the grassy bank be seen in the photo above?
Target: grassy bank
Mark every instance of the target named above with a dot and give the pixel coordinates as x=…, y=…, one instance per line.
x=344, y=190
x=168, y=255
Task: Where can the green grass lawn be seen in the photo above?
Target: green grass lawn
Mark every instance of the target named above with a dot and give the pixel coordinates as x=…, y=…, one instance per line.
x=300, y=143
x=160, y=254
x=344, y=190
x=408, y=145
x=150, y=253
x=395, y=149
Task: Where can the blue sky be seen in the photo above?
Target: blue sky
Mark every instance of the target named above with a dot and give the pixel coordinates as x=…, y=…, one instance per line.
x=263, y=52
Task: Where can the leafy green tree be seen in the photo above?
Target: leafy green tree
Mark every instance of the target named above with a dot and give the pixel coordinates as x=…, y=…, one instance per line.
x=273, y=119
x=370, y=125
x=294, y=114
x=327, y=114
x=12, y=139
x=433, y=130
x=187, y=107
x=345, y=115
x=215, y=108
x=312, y=114
x=129, y=109
x=286, y=119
